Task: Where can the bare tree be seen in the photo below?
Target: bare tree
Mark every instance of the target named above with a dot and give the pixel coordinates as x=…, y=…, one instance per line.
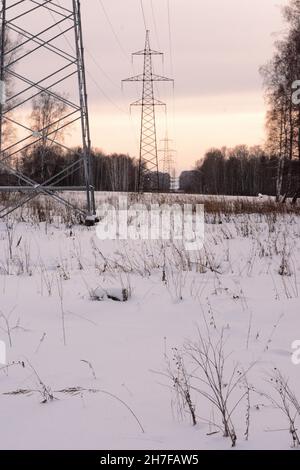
x=47, y=117
x=283, y=117
x=45, y=158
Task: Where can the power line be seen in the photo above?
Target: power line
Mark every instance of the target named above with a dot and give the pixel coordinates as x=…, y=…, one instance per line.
x=101, y=4
x=100, y=89
x=143, y=13
x=155, y=24
x=88, y=52
x=105, y=94
x=101, y=69
x=171, y=59
x=113, y=29
x=170, y=37
x=89, y=73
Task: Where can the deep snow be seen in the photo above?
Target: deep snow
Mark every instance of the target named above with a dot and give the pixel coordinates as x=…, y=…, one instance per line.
x=234, y=284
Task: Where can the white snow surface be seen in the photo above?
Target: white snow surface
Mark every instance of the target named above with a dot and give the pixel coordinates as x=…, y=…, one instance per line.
x=232, y=285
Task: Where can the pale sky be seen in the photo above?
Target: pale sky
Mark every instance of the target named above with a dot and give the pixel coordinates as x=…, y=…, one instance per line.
x=217, y=49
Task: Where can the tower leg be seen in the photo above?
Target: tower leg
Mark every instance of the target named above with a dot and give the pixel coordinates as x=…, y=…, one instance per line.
x=60, y=80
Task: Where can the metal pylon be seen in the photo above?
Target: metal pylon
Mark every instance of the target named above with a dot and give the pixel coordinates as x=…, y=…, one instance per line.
x=42, y=55
x=168, y=162
x=148, y=158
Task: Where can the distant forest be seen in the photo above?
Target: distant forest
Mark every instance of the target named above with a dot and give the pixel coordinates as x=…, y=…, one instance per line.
x=240, y=171
x=114, y=172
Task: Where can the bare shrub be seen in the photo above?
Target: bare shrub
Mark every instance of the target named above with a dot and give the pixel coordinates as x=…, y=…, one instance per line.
x=285, y=400
x=216, y=384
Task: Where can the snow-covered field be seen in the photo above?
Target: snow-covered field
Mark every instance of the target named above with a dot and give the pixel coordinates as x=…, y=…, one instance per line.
x=86, y=373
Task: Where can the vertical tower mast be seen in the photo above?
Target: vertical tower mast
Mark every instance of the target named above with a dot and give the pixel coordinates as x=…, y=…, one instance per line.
x=42, y=55
x=168, y=163
x=85, y=125
x=148, y=158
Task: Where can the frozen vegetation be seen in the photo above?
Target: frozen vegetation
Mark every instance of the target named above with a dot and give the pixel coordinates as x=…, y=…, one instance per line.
x=128, y=345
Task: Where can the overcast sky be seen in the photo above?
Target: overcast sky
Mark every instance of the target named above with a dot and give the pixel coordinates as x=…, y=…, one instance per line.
x=217, y=49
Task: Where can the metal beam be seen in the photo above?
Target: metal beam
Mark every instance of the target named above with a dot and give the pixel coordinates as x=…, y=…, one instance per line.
x=60, y=38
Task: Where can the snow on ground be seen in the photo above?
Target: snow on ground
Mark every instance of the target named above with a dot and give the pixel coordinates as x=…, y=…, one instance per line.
x=245, y=283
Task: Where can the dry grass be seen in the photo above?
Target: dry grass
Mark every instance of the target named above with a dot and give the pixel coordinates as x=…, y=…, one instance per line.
x=43, y=209
x=248, y=206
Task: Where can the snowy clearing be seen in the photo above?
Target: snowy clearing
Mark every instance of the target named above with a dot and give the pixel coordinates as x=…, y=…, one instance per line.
x=102, y=367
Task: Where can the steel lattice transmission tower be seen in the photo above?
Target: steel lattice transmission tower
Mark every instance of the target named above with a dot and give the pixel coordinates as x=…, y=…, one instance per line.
x=168, y=156
x=42, y=55
x=148, y=158
x=168, y=165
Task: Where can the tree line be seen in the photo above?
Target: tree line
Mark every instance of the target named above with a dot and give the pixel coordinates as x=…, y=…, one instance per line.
x=280, y=75
x=273, y=169
x=238, y=171
x=113, y=172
